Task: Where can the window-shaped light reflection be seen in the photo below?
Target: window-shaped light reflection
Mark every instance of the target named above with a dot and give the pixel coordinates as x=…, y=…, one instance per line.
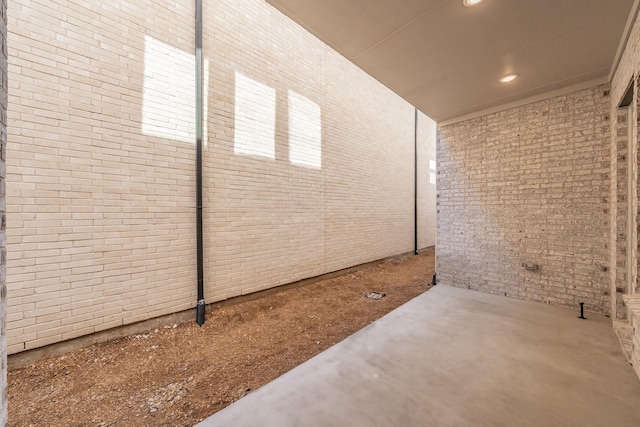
x=432, y=173
x=305, y=132
x=168, y=108
x=255, y=118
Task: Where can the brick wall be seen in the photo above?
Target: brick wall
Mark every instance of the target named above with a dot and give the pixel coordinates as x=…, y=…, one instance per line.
x=102, y=213
x=3, y=222
x=529, y=185
x=308, y=161
x=621, y=142
x=426, y=181
x=633, y=304
x=276, y=218
x=624, y=146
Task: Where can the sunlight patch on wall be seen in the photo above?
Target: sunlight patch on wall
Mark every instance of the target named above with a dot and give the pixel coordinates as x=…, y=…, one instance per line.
x=168, y=107
x=431, y=136
x=255, y=118
x=432, y=173
x=305, y=132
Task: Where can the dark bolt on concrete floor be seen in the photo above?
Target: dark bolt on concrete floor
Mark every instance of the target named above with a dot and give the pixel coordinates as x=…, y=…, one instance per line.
x=454, y=357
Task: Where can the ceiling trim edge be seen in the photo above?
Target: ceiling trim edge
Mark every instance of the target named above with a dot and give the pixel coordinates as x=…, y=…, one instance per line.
x=530, y=100
x=635, y=8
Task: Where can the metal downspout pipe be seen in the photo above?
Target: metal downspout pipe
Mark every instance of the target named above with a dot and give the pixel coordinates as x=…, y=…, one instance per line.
x=200, y=307
x=415, y=184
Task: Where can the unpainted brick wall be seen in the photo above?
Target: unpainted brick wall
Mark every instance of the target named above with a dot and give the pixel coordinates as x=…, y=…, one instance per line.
x=3, y=221
x=529, y=185
x=308, y=162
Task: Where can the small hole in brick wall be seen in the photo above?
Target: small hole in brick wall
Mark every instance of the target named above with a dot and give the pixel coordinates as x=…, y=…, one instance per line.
x=605, y=268
x=605, y=93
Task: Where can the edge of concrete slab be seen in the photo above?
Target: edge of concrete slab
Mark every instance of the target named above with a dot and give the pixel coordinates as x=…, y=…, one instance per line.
x=506, y=377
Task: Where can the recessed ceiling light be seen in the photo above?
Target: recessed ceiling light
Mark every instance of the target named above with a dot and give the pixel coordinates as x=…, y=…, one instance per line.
x=470, y=3
x=508, y=78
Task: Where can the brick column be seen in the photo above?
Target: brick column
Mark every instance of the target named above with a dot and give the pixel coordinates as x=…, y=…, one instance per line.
x=622, y=214
x=3, y=235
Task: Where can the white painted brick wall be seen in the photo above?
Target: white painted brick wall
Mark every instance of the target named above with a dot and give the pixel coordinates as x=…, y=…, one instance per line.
x=427, y=177
x=308, y=162
x=620, y=199
x=624, y=142
x=275, y=221
x=529, y=185
x=102, y=233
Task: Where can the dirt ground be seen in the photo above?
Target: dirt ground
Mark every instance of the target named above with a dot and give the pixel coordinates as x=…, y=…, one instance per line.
x=180, y=374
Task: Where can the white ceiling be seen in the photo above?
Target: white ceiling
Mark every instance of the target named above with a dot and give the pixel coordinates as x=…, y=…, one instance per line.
x=446, y=58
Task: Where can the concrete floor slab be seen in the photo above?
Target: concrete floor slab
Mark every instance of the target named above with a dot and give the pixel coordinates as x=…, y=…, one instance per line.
x=453, y=357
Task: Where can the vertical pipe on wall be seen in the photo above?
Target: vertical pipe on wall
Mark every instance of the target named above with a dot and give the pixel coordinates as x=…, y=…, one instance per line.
x=4, y=407
x=415, y=183
x=631, y=190
x=200, y=307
